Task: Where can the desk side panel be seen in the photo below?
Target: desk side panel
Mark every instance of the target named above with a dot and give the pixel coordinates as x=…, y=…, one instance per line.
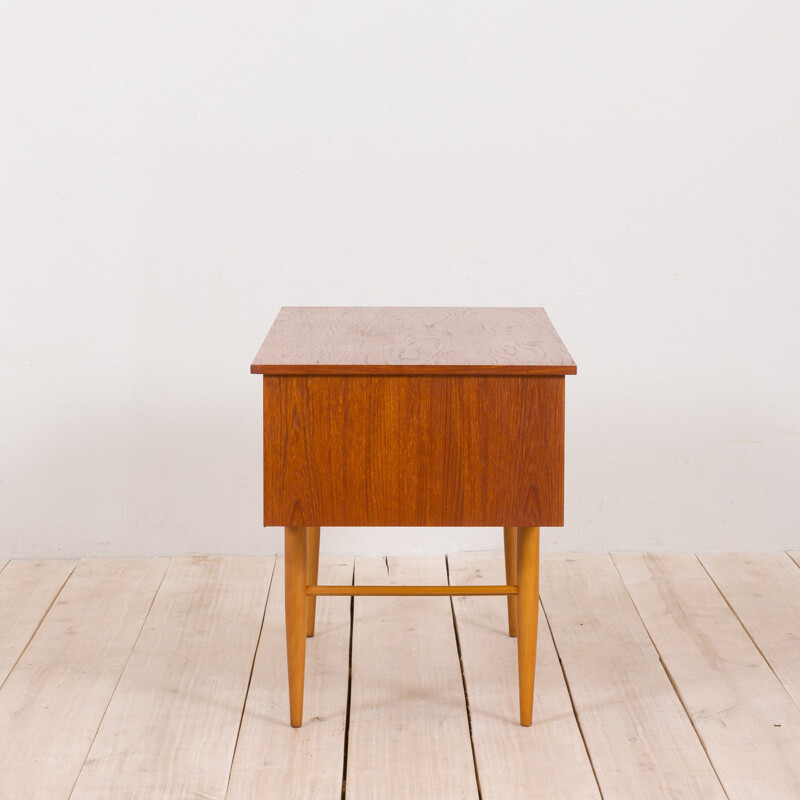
x=420, y=450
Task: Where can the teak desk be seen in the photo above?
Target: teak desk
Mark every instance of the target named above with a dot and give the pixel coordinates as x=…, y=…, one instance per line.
x=413, y=416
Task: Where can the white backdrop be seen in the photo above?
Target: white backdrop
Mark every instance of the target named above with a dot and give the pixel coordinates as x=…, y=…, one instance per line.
x=172, y=173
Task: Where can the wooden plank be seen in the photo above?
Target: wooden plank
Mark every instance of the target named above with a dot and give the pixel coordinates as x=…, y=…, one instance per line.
x=27, y=590
x=272, y=759
x=53, y=701
x=748, y=723
x=764, y=591
x=409, y=733
x=639, y=738
x=545, y=761
x=170, y=729
x=356, y=340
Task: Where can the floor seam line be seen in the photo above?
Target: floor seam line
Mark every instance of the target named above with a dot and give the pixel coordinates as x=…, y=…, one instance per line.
x=571, y=700
x=119, y=678
x=39, y=623
x=464, y=684
x=746, y=630
x=250, y=677
x=669, y=677
x=349, y=686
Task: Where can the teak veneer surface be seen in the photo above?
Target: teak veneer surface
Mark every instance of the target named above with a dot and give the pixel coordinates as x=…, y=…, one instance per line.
x=420, y=450
x=412, y=341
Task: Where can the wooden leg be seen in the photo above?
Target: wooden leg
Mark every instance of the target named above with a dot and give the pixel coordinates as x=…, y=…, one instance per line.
x=312, y=576
x=295, y=550
x=527, y=617
x=510, y=547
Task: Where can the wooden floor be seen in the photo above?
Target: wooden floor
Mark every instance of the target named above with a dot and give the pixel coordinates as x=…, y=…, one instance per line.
x=659, y=676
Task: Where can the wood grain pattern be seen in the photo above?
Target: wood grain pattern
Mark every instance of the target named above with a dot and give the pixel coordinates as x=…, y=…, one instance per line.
x=295, y=610
x=423, y=450
x=641, y=742
x=412, y=341
x=546, y=761
x=272, y=759
x=410, y=591
x=763, y=589
x=27, y=590
x=312, y=576
x=409, y=735
x=510, y=554
x=748, y=723
x=527, y=618
x=170, y=729
x=52, y=703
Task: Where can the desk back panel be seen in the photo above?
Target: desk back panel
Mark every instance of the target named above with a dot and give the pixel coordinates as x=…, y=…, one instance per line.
x=417, y=450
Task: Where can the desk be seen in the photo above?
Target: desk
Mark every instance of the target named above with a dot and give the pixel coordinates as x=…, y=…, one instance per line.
x=413, y=416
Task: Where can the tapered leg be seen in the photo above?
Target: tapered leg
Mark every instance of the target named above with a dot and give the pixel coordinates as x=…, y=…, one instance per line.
x=312, y=575
x=510, y=547
x=295, y=549
x=527, y=617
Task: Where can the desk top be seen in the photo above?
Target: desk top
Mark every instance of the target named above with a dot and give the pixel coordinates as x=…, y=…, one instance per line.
x=353, y=340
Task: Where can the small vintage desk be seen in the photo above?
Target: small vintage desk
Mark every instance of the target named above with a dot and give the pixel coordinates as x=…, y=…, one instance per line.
x=413, y=416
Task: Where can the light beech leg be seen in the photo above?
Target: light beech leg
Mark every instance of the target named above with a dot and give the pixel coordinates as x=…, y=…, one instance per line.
x=312, y=576
x=510, y=548
x=527, y=617
x=296, y=606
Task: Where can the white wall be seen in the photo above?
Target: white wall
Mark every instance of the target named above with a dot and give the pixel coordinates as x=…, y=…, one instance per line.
x=172, y=173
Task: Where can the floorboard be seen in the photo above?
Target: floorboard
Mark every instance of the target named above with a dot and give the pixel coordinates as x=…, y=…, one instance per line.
x=747, y=721
x=171, y=727
x=274, y=760
x=665, y=676
x=639, y=738
x=54, y=699
x=27, y=590
x=409, y=733
x=763, y=589
x=515, y=763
